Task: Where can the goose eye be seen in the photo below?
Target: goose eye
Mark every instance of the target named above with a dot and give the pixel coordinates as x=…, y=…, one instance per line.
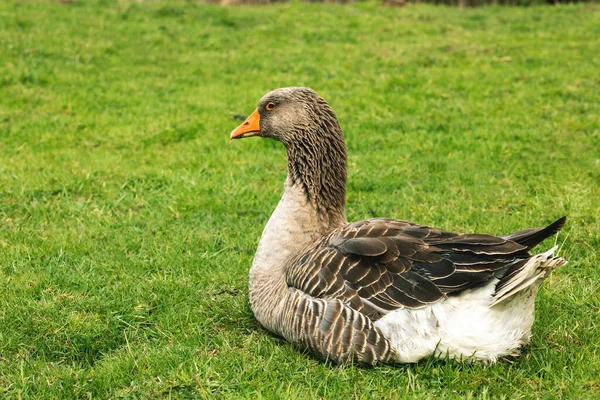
x=270, y=106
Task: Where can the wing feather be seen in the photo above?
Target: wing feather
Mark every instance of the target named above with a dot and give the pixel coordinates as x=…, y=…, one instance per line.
x=379, y=265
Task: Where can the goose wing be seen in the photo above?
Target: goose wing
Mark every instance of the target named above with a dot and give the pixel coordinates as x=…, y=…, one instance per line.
x=379, y=265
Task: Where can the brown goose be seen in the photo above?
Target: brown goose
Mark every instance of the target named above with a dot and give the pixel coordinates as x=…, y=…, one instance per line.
x=379, y=290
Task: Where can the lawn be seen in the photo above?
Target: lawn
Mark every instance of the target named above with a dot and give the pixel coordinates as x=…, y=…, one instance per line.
x=128, y=220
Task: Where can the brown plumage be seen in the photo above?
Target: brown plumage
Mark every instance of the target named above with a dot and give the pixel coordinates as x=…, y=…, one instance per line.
x=395, y=264
x=326, y=284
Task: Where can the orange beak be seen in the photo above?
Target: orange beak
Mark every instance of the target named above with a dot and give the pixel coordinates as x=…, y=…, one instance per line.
x=250, y=127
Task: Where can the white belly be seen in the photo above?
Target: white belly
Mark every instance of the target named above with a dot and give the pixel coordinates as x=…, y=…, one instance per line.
x=462, y=327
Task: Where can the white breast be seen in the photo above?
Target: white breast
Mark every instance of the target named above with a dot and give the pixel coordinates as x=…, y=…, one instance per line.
x=291, y=227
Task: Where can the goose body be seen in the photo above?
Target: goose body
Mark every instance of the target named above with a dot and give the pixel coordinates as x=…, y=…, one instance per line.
x=379, y=290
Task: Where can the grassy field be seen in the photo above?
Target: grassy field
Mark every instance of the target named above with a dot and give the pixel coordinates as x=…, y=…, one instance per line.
x=128, y=220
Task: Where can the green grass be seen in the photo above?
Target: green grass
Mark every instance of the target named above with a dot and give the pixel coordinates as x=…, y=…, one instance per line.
x=128, y=220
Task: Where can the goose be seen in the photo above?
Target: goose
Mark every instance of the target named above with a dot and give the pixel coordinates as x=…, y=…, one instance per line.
x=379, y=290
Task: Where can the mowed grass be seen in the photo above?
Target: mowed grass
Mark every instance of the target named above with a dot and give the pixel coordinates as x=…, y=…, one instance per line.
x=128, y=220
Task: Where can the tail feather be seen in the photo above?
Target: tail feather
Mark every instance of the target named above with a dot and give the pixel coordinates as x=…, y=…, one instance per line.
x=532, y=237
x=522, y=275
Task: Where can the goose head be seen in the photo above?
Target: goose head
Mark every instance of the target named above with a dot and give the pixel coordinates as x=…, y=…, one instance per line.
x=290, y=115
x=308, y=127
